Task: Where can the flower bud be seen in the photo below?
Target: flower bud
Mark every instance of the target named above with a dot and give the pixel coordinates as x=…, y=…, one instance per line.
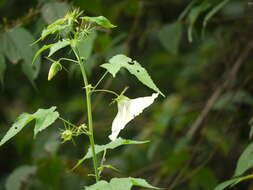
x=54, y=69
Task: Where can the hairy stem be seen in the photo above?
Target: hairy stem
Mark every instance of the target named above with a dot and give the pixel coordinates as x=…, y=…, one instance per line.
x=89, y=111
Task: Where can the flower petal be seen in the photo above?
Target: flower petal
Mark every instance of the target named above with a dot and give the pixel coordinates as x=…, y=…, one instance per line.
x=127, y=110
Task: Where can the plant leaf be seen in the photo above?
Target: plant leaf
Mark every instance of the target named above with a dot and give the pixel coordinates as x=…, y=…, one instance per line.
x=57, y=46
x=54, y=11
x=99, y=20
x=2, y=68
x=120, y=184
x=119, y=61
x=245, y=161
x=43, y=117
x=170, y=36
x=19, y=176
x=194, y=14
x=16, y=46
x=225, y=184
x=51, y=30
x=214, y=11
x=45, y=47
x=18, y=125
x=85, y=46
x=101, y=148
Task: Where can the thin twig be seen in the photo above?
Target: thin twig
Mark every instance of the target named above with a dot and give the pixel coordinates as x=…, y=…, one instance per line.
x=217, y=93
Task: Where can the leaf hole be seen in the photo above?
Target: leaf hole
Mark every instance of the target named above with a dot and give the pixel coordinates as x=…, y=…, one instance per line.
x=138, y=71
x=131, y=63
x=16, y=128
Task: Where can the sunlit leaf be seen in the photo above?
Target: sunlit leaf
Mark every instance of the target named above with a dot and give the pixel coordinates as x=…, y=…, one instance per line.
x=100, y=20
x=121, y=61
x=18, y=125
x=43, y=117
x=57, y=46
x=45, y=47
x=120, y=184
x=19, y=176
x=101, y=148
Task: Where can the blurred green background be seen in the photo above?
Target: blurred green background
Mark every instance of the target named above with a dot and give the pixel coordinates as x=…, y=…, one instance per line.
x=197, y=131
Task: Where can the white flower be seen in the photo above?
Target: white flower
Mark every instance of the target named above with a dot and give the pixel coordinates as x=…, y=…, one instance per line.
x=127, y=110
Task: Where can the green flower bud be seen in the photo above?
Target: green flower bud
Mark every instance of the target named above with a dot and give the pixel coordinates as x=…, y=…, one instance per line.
x=67, y=135
x=54, y=69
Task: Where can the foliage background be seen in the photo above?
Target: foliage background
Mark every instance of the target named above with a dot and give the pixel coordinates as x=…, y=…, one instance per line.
x=197, y=132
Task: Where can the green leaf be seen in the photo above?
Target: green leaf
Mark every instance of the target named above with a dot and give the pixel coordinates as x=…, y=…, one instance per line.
x=85, y=46
x=16, y=47
x=226, y=184
x=18, y=125
x=54, y=11
x=186, y=10
x=119, y=61
x=52, y=30
x=120, y=184
x=2, y=68
x=214, y=11
x=43, y=117
x=245, y=161
x=101, y=148
x=45, y=47
x=57, y=46
x=20, y=175
x=170, y=36
x=194, y=14
x=100, y=20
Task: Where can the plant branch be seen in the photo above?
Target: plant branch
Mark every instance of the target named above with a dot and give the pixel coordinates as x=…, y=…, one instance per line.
x=211, y=101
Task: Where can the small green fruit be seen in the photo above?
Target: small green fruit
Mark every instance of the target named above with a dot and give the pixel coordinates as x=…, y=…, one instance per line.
x=54, y=69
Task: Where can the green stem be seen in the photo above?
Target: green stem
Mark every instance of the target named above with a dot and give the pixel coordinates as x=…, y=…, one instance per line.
x=103, y=90
x=89, y=111
x=64, y=120
x=100, y=80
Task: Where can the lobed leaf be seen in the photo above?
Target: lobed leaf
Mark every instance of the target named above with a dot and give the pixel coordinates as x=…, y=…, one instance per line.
x=99, y=20
x=101, y=148
x=43, y=117
x=121, y=61
x=120, y=184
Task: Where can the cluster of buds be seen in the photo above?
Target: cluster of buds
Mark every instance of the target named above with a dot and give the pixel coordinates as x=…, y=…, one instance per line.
x=73, y=131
